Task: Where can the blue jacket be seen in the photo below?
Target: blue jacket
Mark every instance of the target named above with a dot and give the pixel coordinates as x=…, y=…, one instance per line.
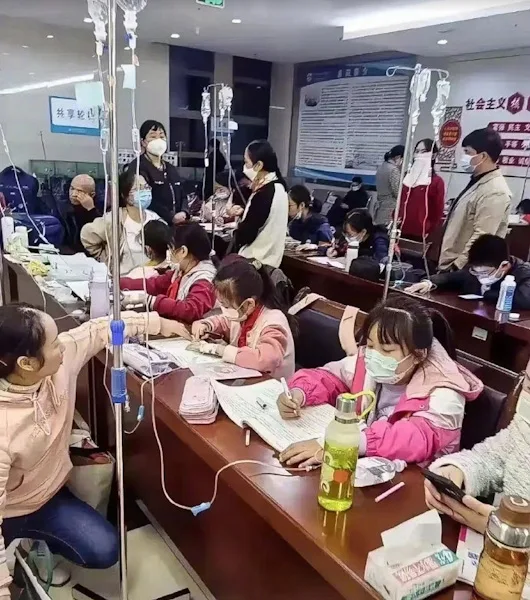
x=29, y=186
x=315, y=228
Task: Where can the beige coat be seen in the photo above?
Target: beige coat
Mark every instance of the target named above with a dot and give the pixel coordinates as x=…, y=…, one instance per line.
x=36, y=422
x=484, y=208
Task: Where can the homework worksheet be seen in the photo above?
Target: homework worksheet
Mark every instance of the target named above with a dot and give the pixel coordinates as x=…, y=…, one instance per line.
x=254, y=406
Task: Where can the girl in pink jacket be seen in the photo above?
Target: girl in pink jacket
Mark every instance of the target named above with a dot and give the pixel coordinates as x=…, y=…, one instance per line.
x=406, y=357
x=38, y=378
x=253, y=325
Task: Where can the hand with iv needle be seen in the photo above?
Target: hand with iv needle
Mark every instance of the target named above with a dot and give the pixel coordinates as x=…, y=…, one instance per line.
x=422, y=287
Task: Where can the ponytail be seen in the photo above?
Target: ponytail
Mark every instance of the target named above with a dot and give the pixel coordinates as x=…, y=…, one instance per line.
x=387, y=156
x=442, y=331
x=239, y=279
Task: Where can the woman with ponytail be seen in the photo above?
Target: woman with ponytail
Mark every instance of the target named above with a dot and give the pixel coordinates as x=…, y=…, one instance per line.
x=262, y=230
x=406, y=361
x=253, y=325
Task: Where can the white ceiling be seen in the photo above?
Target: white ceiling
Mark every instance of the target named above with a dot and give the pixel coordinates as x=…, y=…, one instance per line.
x=300, y=30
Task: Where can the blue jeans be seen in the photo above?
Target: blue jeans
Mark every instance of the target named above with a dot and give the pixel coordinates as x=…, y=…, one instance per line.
x=71, y=528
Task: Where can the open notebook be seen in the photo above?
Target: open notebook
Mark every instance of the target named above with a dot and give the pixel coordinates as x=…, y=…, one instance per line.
x=254, y=406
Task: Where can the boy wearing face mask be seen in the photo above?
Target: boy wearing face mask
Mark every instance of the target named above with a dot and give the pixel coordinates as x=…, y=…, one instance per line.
x=135, y=194
x=489, y=263
x=185, y=293
x=483, y=206
x=406, y=357
x=168, y=199
x=254, y=325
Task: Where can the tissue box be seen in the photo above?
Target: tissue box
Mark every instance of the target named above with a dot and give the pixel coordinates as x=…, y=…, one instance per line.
x=414, y=579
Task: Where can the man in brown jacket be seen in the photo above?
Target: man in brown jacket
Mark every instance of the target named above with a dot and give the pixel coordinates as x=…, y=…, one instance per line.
x=484, y=204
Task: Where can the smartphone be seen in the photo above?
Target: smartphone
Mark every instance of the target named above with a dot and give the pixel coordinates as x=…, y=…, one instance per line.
x=444, y=486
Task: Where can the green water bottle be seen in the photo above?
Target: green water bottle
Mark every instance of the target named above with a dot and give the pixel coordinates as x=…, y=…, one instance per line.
x=341, y=450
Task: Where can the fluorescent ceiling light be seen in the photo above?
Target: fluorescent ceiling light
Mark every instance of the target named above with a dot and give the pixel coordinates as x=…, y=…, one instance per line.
x=50, y=37
x=87, y=20
x=175, y=36
x=47, y=84
x=442, y=42
x=236, y=21
x=415, y=15
x=25, y=46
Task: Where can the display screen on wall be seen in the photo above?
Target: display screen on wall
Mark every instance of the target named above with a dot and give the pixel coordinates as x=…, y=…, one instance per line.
x=67, y=116
x=349, y=116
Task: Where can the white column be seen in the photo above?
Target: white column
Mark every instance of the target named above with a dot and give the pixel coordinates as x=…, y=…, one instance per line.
x=281, y=111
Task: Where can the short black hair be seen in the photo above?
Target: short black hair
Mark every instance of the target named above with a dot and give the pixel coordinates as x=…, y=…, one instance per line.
x=485, y=140
x=21, y=334
x=524, y=207
x=358, y=180
x=193, y=236
x=157, y=235
x=430, y=145
x=151, y=125
x=488, y=251
x=395, y=152
x=360, y=219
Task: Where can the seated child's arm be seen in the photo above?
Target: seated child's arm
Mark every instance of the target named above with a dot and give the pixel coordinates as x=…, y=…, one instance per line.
x=199, y=301
x=266, y=357
x=85, y=341
x=322, y=386
x=422, y=436
x=154, y=285
x=483, y=466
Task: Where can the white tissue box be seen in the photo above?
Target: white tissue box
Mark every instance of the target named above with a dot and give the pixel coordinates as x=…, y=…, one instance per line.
x=419, y=577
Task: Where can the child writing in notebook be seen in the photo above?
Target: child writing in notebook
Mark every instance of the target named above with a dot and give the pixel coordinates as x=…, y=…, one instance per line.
x=186, y=292
x=38, y=376
x=253, y=321
x=407, y=359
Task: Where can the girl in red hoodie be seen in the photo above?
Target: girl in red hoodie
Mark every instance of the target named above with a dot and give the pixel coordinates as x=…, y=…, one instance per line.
x=423, y=195
x=185, y=293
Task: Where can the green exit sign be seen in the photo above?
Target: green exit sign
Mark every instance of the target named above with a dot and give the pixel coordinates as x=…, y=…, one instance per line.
x=215, y=3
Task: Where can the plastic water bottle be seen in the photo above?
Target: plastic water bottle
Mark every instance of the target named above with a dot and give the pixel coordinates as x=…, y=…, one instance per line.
x=351, y=254
x=23, y=233
x=341, y=451
x=99, y=291
x=507, y=292
x=8, y=229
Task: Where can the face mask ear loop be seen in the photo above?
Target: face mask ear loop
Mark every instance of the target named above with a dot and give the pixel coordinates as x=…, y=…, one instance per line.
x=370, y=395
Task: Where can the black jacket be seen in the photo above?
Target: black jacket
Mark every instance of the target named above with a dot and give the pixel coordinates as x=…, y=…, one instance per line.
x=463, y=282
x=168, y=196
x=354, y=200
x=315, y=228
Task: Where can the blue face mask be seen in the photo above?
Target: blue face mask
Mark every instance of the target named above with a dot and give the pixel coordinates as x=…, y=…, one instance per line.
x=142, y=199
x=383, y=368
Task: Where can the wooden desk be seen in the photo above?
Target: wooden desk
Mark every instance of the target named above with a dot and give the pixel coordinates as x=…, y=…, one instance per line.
x=265, y=536
x=471, y=321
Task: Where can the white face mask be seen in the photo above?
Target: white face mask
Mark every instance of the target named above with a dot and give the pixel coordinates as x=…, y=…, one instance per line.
x=383, y=368
x=355, y=188
x=466, y=165
x=420, y=172
x=232, y=314
x=250, y=173
x=157, y=147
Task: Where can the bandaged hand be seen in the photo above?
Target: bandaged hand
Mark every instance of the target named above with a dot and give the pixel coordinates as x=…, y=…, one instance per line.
x=423, y=287
x=132, y=298
x=206, y=348
x=200, y=329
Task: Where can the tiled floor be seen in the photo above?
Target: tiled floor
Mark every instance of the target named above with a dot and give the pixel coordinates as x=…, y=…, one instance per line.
x=153, y=572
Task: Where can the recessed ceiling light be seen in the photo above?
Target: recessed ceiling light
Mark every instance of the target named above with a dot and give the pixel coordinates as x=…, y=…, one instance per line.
x=25, y=46
x=126, y=48
x=5, y=53
x=175, y=36
x=442, y=42
x=87, y=20
x=32, y=73
x=50, y=37
x=236, y=21
x=144, y=80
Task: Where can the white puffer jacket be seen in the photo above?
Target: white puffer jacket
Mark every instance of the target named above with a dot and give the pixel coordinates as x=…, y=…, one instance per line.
x=499, y=464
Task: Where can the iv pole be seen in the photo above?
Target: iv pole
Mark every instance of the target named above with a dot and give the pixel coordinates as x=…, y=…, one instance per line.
x=118, y=372
x=404, y=168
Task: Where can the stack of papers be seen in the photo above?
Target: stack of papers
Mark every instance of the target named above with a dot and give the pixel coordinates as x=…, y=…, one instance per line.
x=198, y=405
x=328, y=262
x=203, y=365
x=254, y=406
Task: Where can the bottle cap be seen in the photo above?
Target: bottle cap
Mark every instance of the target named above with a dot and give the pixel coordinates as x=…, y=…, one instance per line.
x=510, y=523
x=514, y=316
x=510, y=279
x=346, y=404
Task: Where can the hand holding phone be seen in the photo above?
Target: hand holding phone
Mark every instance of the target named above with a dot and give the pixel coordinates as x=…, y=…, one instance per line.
x=444, y=486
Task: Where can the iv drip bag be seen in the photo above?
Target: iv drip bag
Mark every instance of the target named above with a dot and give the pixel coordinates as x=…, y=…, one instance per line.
x=131, y=8
x=98, y=11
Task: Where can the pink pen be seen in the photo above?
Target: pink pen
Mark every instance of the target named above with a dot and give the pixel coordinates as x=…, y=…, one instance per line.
x=390, y=491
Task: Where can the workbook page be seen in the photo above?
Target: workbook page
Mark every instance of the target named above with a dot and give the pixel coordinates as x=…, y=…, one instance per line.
x=183, y=357
x=255, y=406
